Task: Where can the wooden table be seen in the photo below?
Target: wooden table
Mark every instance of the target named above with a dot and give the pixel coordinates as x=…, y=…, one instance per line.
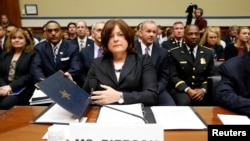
x=15, y=124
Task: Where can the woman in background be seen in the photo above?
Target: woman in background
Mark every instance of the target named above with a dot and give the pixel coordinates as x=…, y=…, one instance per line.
x=240, y=45
x=211, y=39
x=15, y=70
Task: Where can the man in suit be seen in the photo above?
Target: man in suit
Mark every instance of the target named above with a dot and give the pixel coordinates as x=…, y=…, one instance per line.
x=190, y=67
x=159, y=57
x=177, y=40
x=89, y=53
x=231, y=37
x=82, y=39
x=55, y=54
x=233, y=91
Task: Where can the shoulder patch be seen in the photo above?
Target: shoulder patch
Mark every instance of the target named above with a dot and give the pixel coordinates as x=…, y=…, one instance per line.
x=207, y=47
x=174, y=48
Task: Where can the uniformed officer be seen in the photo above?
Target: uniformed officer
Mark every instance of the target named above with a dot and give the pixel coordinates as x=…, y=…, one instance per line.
x=190, y=66
x=177, y=40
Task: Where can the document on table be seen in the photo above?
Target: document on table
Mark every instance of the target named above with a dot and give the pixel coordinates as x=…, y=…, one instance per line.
x=177, y=118
x=39, y=97
x=234, y=119
x=56, y=114
x=114, y=116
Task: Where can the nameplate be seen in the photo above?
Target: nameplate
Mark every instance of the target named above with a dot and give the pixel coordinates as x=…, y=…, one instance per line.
x=115, y=132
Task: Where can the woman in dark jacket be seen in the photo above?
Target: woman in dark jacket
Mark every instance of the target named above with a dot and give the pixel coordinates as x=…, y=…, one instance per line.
x=241, y=44
x=15, y=70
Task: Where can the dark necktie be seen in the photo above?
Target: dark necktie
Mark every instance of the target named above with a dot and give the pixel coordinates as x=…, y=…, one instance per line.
x=192, y=53
x=178, y=43
x=1, y=47
x=99, y=54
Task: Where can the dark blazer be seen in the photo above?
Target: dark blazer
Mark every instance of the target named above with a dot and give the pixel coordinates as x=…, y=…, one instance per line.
x=23, y=77
x=219, y=51
x=186, y=73
x=4, y=44
x=68, y=60
x=137, y=81
x=86, y=57
x=88, y=43
x=159, y=58
x=228, y=40
x=233, y=91
x=231, y=51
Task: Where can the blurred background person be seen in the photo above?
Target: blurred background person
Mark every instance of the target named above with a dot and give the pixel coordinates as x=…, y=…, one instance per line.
x=2, y=38
x=240, y=45
x=34, y=35
x=161, y=36
x=88, y=54
x=10, y=28
x=65, y=35
x=177, y=39
x=5, y=20
x=35, y=40
x=169, y=33
x=71, y=28
x=82, y=40
x=232, y=33
x=211, y=39
x=200, y=21
x=15, y=67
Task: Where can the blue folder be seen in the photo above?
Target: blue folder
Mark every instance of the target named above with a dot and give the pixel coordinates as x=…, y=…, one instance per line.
x=66, y=94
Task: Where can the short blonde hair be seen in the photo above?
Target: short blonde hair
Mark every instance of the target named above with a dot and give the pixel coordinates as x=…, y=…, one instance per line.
x=213, y=29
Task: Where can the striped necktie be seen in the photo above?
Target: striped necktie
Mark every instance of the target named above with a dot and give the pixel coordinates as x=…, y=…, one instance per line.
x=81, y=44
x=147, y=49
x=55, y=51
x=99, y=52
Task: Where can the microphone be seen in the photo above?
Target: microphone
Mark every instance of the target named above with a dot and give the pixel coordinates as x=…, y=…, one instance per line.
x=142, y=118
x=93, y=86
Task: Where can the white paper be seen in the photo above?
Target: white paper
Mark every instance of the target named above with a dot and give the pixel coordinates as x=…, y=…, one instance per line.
x=177, y=117
x=234, y=119
x=44, y=99
x=57, y=114
x=111, y=116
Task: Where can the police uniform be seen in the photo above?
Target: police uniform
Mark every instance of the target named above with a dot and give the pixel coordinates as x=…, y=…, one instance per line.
x=171, y=43
x=184, y=72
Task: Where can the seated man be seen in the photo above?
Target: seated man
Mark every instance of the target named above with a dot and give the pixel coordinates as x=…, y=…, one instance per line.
x=233, y=91
x=190, y=67
x=55, y=54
